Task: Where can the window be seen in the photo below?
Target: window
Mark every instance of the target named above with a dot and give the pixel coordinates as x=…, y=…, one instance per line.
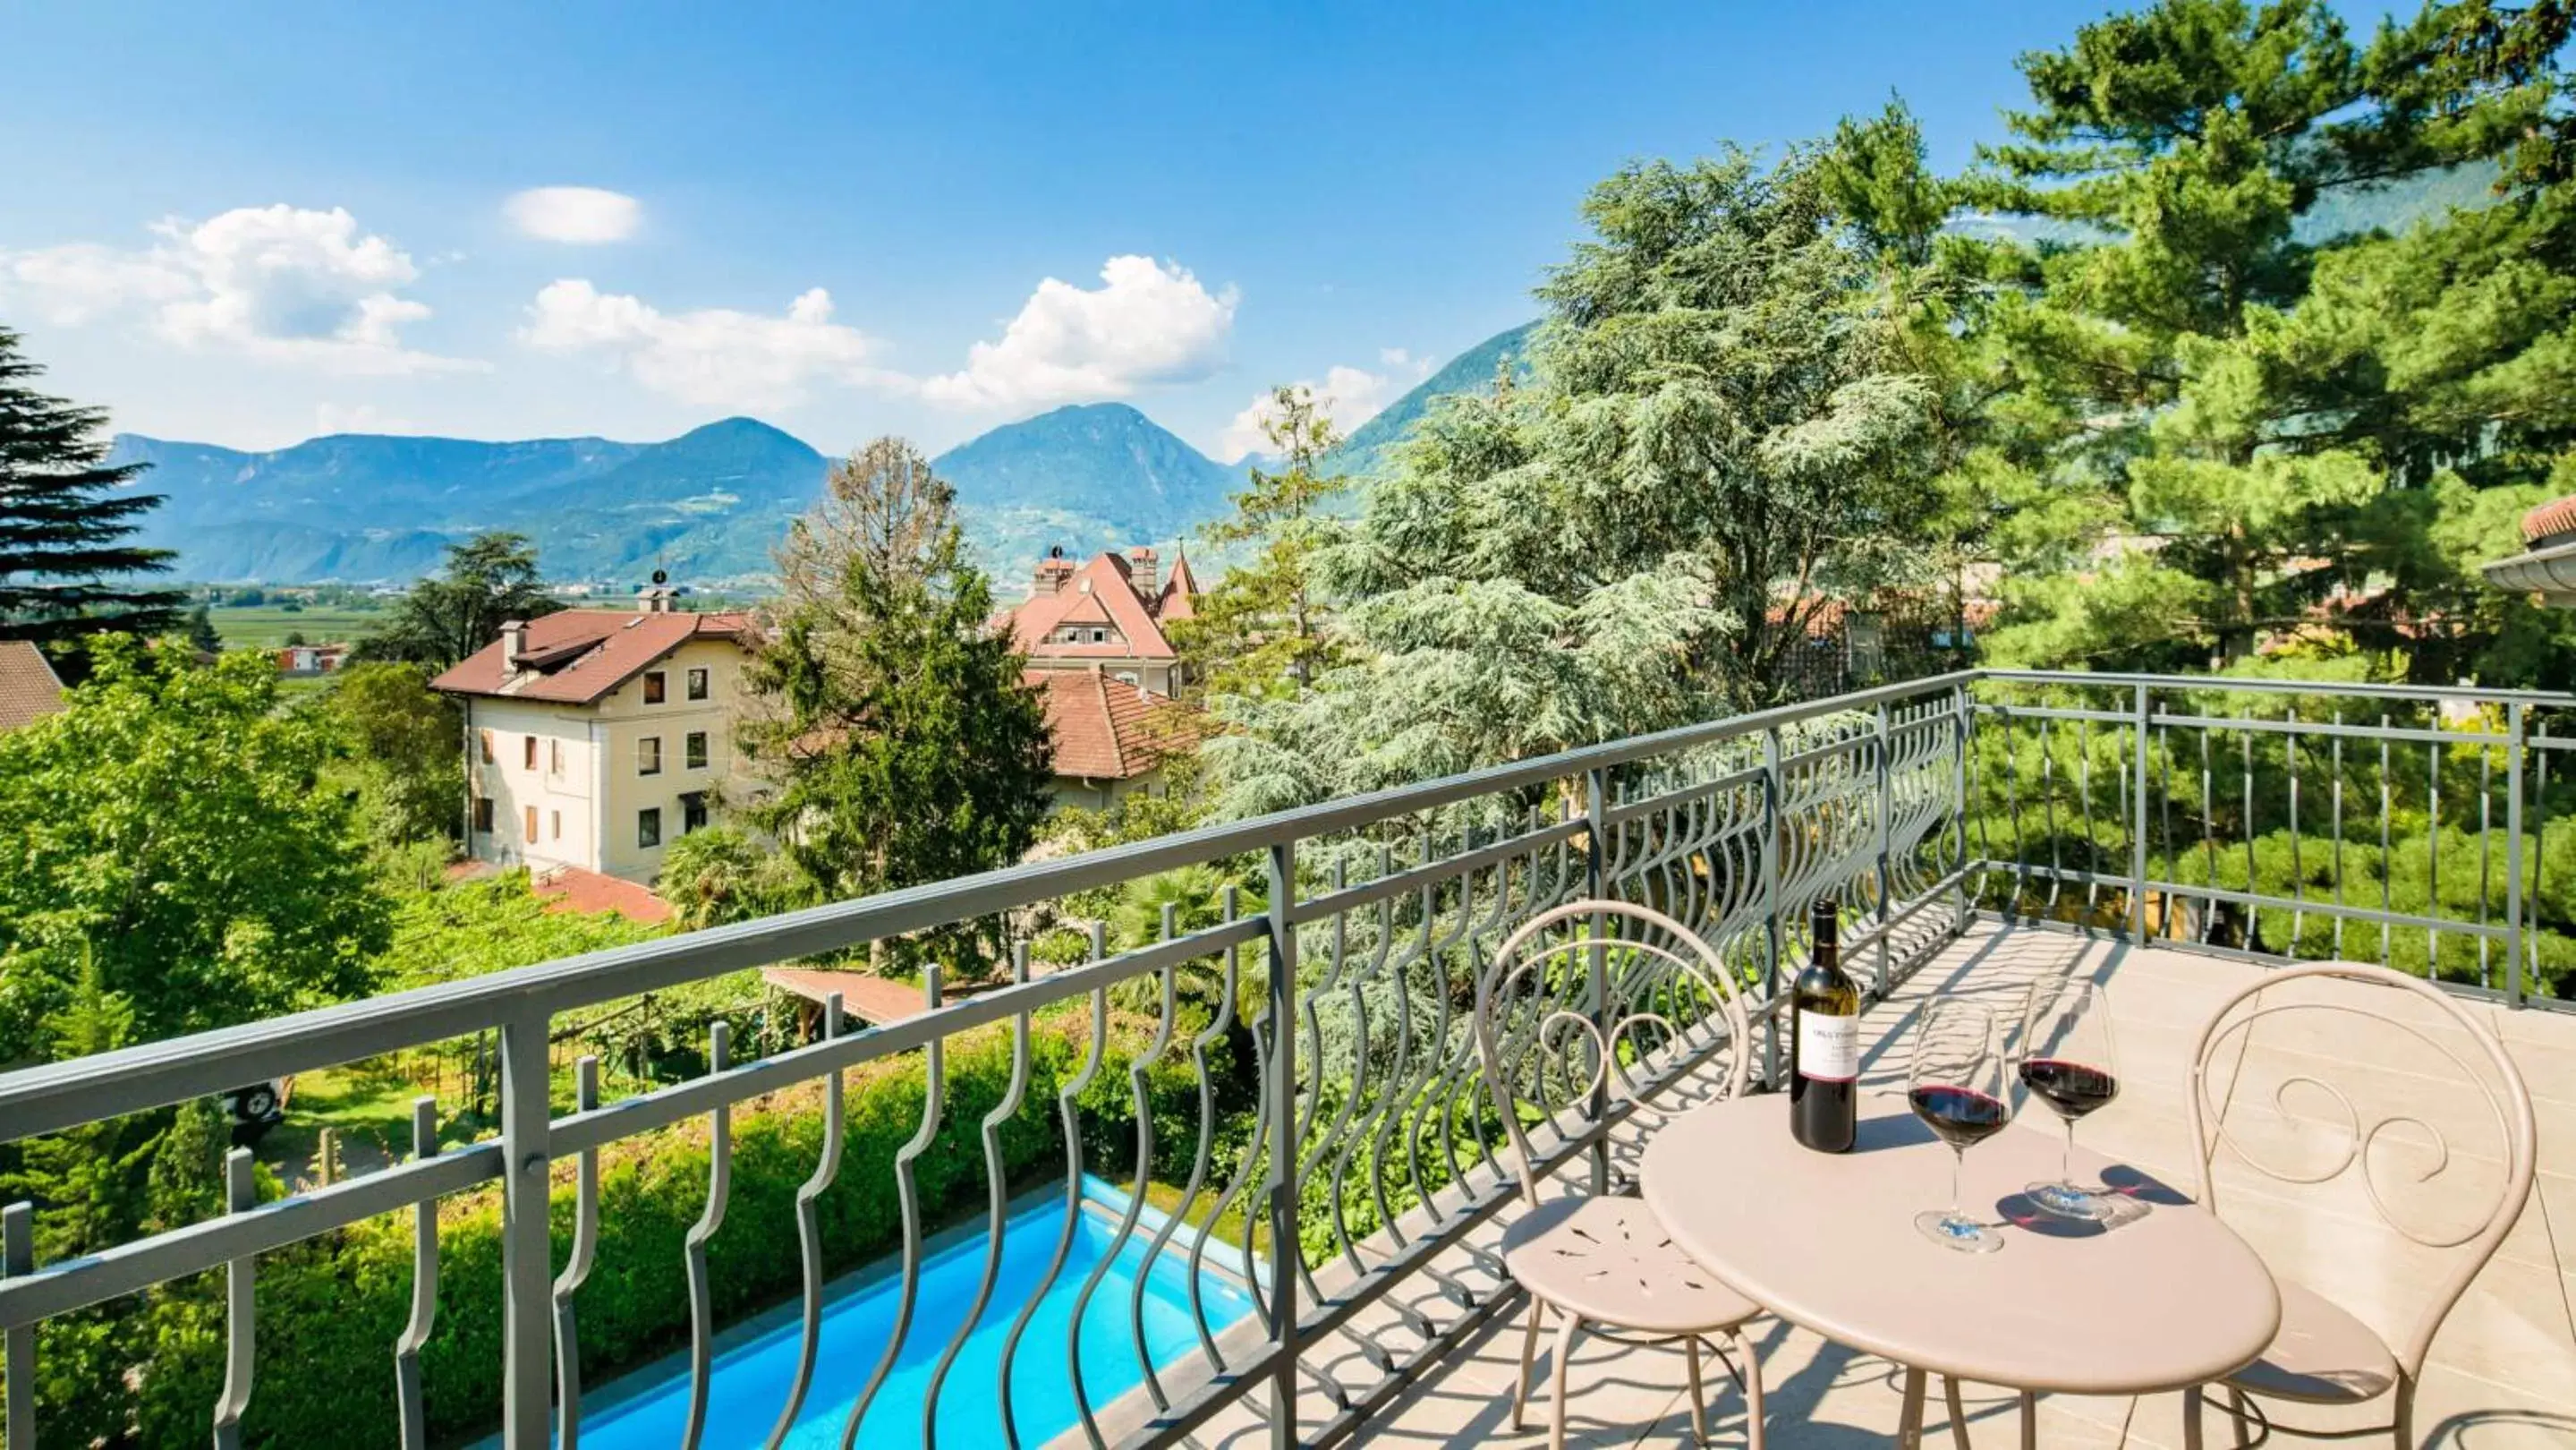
x=648, y=827
x=653, y=686
x=554, y=823
x=698, y=683
x=693, y=750
x=554, y=756
x=485, y=738
x=528, y=753
x=529, y=820
x=648, y=755
x=483, y=814
x=693, y=812
x=1099, y=636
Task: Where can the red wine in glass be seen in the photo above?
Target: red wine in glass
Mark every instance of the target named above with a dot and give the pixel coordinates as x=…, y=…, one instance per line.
x=1956, y=1086
x=2067, y=1063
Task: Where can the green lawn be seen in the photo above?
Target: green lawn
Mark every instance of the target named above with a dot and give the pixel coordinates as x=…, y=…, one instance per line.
x=266, y=626
x=367, y=1103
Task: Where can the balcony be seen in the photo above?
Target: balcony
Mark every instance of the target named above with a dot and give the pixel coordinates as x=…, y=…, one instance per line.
x=2171, y=837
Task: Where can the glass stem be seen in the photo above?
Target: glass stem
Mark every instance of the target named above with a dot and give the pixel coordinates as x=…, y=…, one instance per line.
x=2066, y=1157
x=1958, y=1161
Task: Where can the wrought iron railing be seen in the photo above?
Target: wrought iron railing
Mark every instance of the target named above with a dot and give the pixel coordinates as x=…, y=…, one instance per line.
x=1358, y=1146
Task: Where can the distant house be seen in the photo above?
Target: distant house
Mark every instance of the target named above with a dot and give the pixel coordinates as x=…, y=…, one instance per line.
x=2548, y=567
x=1111, y=738
x=311, y=659
x=596, y=737
x=1106, y=615
x=29, y=688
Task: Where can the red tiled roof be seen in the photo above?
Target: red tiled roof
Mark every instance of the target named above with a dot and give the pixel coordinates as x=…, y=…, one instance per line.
x=1107, y=729
x=1180, y=592
x=29, y=689
x=2550, y=519
x=570, y=888
x=864, y=995
x=1103, y=594
x=577, y=656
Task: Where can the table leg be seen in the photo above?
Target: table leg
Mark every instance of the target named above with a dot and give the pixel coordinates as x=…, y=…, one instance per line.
x=2191, y=1418
x=2029, y=1421
x=1958, y=1412
x=1909, y=1430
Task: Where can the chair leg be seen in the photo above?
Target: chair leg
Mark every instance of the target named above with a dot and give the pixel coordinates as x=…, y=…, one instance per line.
x=1752, y=1389
x=2236, y=1413
x=1958, y=1413
x=1556, y=1381
x=1529, y=1358
x=2403, y=1425
x=1698, y=1399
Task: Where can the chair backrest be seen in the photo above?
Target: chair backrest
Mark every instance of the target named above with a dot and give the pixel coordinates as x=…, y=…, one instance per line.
x=1550, y=1037
x=2475, y=1056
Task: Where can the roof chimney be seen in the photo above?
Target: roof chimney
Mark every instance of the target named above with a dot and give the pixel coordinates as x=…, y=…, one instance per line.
x=1143, y=567
x=1053, y=570
x=514, y=640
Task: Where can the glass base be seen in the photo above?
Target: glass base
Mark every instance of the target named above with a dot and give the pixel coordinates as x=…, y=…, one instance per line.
x=2068, y=1201
x=1964, y=1234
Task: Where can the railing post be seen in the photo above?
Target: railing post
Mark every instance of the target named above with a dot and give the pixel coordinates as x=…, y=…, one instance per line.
x=1886, y=911
x=1282, y=1105
x=527, y=1269
x=2514, y=749
x=1771, y=905
x=18, y=1260
x=1597, y=967
x=1965, y=715
x=2138, y=827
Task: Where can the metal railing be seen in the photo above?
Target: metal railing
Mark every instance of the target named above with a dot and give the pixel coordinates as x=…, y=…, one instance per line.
x=1358, y=1147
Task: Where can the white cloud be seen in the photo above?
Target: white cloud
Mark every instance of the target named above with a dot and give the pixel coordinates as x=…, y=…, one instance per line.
x=1146, y=323
x=1349, y=396
x=714, y=357
x=279, y=283
x=574, y=214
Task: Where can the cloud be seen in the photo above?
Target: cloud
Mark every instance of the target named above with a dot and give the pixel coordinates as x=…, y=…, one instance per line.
x=1146, y=323
x=1349, y=396
x=713, y=357
x=280, y=283
x=574, y=214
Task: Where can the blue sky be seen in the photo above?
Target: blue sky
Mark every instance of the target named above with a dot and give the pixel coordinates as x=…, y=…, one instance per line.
x=248, y=225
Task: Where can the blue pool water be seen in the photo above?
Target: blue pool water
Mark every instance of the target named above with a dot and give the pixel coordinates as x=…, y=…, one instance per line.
x=751, y=1380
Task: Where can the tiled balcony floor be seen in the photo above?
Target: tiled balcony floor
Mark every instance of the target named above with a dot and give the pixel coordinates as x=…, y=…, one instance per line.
x=2502, y=1373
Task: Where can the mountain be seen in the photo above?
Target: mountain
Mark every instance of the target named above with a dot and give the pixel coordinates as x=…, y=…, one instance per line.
x=1371, y=445
x=1089, y=477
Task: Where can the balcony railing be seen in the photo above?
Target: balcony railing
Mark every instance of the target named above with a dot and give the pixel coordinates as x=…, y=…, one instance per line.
x=2250, y=818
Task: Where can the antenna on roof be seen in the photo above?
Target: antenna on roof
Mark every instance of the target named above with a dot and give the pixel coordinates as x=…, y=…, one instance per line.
x=1056, y=551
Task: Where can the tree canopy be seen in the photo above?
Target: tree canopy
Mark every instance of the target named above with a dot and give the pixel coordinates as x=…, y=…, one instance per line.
x=1265, y=629
x=68, y=563
x=487, y=581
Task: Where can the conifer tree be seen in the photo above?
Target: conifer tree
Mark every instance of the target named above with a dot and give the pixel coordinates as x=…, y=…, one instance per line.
x=68, y=565
x=1265, y=628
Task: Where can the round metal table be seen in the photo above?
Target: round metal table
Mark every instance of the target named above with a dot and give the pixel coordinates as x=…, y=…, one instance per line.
x=2164, y=1298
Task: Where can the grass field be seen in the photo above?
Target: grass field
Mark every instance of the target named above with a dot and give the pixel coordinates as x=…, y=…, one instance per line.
x=266, y=626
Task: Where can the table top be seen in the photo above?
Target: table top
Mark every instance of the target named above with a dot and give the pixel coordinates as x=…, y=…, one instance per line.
x=2163, y=1298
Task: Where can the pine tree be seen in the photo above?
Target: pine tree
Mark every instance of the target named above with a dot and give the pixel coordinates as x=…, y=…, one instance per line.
x=488, y=580
x=67, y=566
x=201, y=630
x=1265, y=629
x=888, y=716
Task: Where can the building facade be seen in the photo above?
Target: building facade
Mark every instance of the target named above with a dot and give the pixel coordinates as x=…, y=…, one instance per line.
x=596, y=738
x=1107, y=615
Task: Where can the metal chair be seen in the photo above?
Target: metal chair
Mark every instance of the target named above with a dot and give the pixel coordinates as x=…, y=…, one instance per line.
x=1646, y=1007
x=2323, y=1354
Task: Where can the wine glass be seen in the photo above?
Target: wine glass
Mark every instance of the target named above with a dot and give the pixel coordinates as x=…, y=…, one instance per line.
x=2067, y=1063
x=1957, y=1089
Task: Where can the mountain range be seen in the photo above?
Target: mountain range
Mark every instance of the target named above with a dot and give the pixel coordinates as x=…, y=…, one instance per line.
x=708, y=505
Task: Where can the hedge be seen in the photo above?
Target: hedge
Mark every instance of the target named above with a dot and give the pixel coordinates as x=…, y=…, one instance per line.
x=330, y=1309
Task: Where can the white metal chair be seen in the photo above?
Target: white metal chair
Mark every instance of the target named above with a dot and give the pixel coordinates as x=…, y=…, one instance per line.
x=1638, y=1009
x=2323, y=1354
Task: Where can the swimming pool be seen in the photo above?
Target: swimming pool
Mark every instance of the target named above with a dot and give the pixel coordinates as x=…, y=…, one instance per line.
x=751, y=1379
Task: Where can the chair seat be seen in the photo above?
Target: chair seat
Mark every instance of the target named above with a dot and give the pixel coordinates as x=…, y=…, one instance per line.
x=2322, y=1355
x=1608, y=1260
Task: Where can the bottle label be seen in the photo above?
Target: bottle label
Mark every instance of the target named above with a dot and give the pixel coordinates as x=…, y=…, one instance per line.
x=1828, y=1047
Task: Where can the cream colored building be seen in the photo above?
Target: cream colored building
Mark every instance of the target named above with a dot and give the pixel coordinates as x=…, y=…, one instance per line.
x=595, y=738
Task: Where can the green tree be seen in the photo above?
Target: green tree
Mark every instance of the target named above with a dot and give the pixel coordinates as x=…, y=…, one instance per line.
x=200, y=630
x=407, y=739
x=68, y=563
x=488, y=580
x=169, y=822
x=722, y=874
x=1265, y=628
x=1717, y=437
x=887, y=718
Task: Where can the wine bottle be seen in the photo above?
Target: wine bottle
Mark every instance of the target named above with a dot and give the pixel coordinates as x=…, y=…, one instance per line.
x=1824, y=1043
